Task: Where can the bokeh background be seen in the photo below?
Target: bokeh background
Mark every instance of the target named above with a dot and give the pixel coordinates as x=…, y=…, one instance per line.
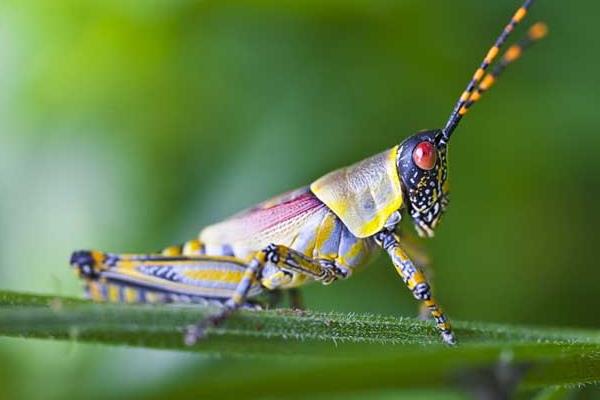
x=127, y=126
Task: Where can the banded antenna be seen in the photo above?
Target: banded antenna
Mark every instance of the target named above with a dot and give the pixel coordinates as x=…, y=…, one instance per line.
x=456, y=114
x=537, y=31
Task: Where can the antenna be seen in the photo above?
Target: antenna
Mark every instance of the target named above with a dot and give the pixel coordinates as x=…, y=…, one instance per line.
x=455, y=116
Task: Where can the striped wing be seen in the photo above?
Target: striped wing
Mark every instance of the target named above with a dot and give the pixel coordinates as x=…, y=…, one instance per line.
x=279, y=220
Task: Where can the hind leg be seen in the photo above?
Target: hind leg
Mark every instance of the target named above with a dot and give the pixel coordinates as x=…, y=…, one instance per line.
x=285, y=260
x=197, y=331
x=158, y=278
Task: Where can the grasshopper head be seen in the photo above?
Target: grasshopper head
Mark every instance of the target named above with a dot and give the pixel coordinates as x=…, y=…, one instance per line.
x=423, y=171
x=422, y=157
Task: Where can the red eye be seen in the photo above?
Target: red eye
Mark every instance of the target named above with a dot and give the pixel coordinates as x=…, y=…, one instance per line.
x=425, y=155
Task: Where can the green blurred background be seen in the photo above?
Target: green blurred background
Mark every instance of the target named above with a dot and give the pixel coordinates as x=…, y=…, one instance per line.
x=128, y=125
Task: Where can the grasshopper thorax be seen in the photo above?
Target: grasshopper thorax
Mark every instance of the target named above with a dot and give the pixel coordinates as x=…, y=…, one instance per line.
x=423, y=171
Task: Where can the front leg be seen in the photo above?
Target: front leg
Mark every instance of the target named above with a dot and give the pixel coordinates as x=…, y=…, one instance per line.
x=420, y=257
x=286, y=260
x=415, y=281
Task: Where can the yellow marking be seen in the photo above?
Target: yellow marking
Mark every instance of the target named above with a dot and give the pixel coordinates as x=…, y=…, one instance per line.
x=520, y=14
x=430, y=303
x=311, y=245
x=417, y=278
x=276, y=280
x=478, y=74
x=177, y=286
x=283, y=254
x=436, y=312
x=444, y=326
x=393, y=205
x=184, y=262
x=401, y=254
x=131, y=295
x=512, y=53
x=192, y=247
x=113, y=293
x=98, y=257
x=304, y=264
x=375, y=223
x=380, y=187
x=487, y=82
x=214, y=275
x=538, y=31
x=261, y=257
x=355, y=250
x=341, y=206
x=326, y=228
x=465, y=96
x=172, y=251
x=308, y=265
x=491, y=55
x=127, y=264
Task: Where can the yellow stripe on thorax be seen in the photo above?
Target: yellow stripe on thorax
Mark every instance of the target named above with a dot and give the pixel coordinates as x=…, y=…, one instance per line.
x=355, y=250
x=325, y=230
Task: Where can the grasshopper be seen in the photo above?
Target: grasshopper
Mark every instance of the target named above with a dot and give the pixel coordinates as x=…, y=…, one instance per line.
x=321, y=232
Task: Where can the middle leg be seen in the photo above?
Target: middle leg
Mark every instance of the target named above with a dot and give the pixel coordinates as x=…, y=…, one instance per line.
x=296, y=302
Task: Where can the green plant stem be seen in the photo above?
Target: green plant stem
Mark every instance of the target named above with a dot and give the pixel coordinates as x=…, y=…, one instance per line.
x=399, y=352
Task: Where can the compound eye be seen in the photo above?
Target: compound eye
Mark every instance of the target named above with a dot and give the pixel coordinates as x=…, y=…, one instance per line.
x=425, y=155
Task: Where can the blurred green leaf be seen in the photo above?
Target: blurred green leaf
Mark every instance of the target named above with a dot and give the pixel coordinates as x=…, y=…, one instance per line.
x=396, y=352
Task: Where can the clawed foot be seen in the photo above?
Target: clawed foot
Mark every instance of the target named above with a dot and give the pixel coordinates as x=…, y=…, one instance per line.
x=193, y=333
x=448, y=337
x=197, y=331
